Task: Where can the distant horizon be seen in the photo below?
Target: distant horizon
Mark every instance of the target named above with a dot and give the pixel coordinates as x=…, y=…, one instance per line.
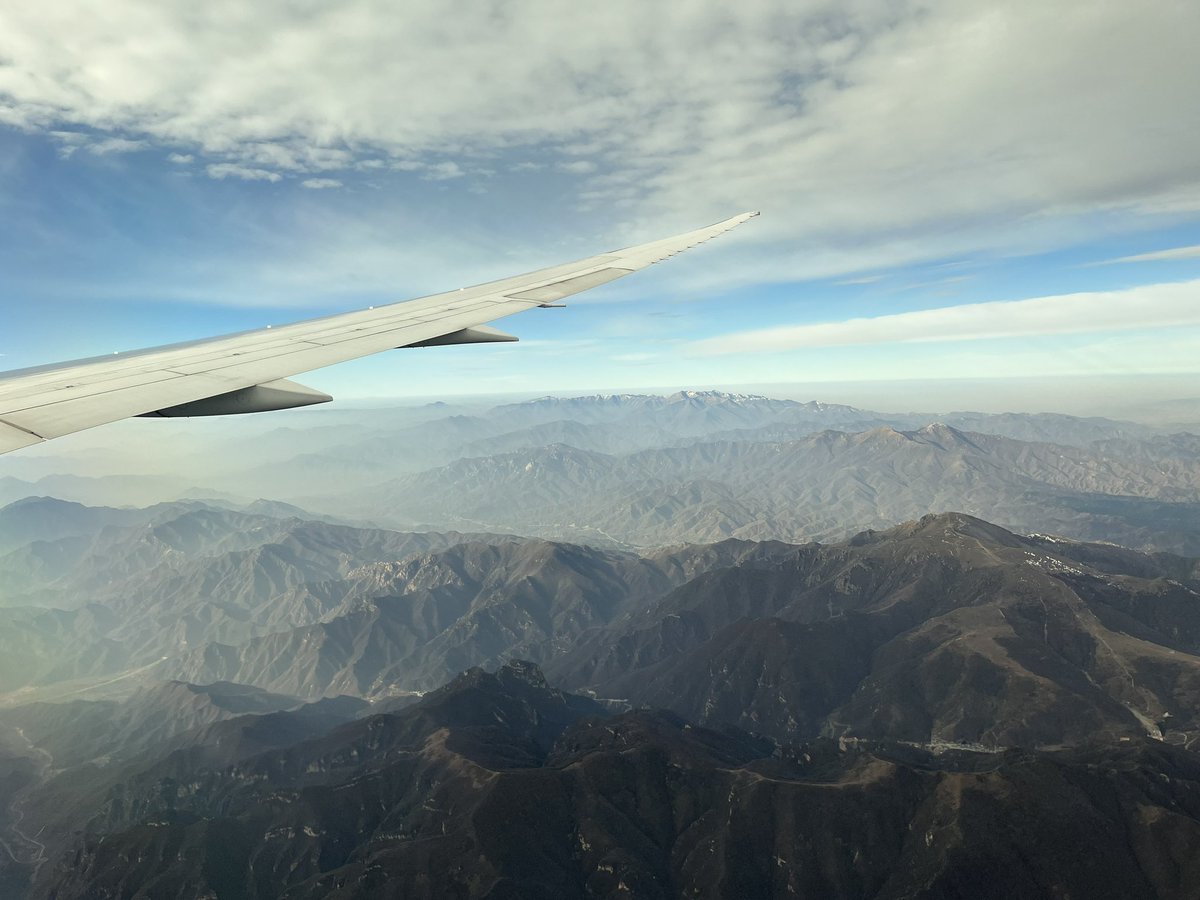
x=1138, y=398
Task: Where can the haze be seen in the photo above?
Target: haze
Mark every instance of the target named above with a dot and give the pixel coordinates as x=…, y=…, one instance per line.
x=854, y=554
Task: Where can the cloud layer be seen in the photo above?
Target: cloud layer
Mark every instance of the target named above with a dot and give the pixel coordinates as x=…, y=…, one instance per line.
x=1148, y=307
x=1169, y=255
x=870, y=130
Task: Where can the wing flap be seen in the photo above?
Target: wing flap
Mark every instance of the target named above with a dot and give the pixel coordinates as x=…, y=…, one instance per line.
x=14, y=438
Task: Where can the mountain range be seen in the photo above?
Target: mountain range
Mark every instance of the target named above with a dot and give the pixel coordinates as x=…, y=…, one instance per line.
x=822, y=487
x=943, y=708
x=645, y=471
x=1083, y=638
x=498, y=785
x=704, y=645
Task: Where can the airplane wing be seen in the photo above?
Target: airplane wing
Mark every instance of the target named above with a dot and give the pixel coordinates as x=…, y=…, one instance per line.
x=248, y=372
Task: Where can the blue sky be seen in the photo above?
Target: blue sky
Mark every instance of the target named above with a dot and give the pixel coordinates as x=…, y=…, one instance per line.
x=174, y=172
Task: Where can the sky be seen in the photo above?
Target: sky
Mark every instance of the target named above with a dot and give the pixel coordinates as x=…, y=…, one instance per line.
x=951, y=191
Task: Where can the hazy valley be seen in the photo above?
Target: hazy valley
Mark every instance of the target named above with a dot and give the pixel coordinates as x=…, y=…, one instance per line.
x=641, y=471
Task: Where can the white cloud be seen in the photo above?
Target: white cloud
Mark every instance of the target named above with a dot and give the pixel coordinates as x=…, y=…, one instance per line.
x=1174, y=253
x=106, y=146
x=578, y=167
x=1156, y=306
x=71, y=141
x=871, y=133
x=68, y=142
x=443, y=171
x=181, y=159
x=317, y=184
x=231, y=170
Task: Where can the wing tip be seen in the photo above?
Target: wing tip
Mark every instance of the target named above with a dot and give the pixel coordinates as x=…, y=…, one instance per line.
x=740, y=218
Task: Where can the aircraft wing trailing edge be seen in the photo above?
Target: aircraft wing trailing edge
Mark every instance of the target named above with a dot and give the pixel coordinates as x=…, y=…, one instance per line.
x=249, y=372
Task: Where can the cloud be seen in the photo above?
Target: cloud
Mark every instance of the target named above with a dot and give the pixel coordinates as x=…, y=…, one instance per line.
x=71, y=141
x=1155, y=306
x=1192, y=252
x=68, y=142
x=872, y=133
x=578, y=167
x=231, y=170
x=443, y=171
x=115, y=145
x=180, y=159
x=317, y=184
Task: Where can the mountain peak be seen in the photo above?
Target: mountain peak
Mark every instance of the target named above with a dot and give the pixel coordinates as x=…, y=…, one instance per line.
x=819, y=406
x=884, y=433
x=941, y=431
x=712, y=397
x=964, y=525
x=44, y=502
x=524, y=671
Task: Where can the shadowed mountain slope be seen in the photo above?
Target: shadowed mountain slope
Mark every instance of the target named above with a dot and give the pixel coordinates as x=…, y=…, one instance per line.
x=411, y=625
x=944, y=629
x=498, y=786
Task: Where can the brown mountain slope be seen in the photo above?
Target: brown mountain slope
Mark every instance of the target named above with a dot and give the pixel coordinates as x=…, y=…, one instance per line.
x=946, y=629
x=499, y=787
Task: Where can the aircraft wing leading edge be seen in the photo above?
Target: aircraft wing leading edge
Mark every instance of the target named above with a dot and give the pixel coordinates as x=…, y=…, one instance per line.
x=248, y=372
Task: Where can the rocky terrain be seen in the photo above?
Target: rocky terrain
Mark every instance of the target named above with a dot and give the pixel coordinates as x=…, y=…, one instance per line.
x=299, y=607
x=705, y=645
x=946, y=629
x=500, y=786
x=790, y=641
x=251, y=704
